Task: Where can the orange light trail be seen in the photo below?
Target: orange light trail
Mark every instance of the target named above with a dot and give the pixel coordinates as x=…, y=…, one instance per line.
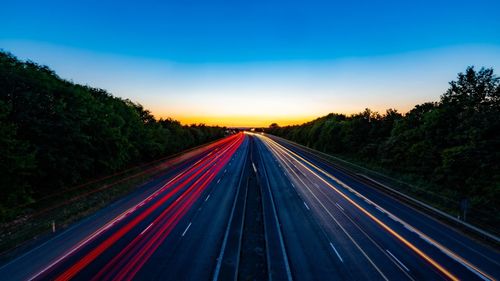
x=443, y=270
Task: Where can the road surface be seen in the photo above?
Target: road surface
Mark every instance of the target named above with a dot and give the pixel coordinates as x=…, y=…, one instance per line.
x=255, y=207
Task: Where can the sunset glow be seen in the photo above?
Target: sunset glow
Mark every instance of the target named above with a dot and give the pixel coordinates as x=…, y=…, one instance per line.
x=259, y=66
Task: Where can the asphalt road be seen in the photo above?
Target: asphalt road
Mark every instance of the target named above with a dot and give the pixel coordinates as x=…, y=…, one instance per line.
x=373, y=232
x=257, y=208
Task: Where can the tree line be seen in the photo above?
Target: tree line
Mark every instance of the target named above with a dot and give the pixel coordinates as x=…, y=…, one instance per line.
x=55, y=133
x=453, y=145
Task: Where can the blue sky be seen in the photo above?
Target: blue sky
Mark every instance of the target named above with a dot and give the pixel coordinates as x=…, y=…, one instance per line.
x=203, y=61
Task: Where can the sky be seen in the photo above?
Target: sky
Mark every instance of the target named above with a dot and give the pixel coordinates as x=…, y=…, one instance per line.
x=252, y=63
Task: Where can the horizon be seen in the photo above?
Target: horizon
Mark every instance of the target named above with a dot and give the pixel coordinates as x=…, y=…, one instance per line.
x=253, y=64
x=249, y=140
x=256, y=121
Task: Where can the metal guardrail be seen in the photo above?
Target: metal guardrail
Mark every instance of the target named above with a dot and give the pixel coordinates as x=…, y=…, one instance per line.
x=370, y=175
x=471, y=227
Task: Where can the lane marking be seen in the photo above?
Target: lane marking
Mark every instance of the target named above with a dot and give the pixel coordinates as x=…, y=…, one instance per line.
x=189, y=225
x=225, y=171
x=339, y=206
x=400, y=263
x=207, y=197
x=218, y=265
x=338, y=255
x=254, y=169
x=277, y=222
x=218, y=181
x=457, y=258
x=306, y=205
x=109, y=224
x=151, y=224
x=334, y=219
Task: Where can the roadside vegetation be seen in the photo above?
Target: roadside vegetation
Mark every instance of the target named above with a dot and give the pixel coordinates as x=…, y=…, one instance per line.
x=449, y=148
x=55, y=135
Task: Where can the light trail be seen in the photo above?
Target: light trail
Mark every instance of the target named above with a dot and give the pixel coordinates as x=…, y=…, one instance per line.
x=281, y=157
x=127, y=271
x=120, y=217
x=178, y=183
x=445, y=250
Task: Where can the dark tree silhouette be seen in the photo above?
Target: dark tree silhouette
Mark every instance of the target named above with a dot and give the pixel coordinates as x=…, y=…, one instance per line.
x=55, y=134
x=453, y=144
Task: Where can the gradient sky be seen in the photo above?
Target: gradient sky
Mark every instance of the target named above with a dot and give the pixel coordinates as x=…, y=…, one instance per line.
x=250, y=63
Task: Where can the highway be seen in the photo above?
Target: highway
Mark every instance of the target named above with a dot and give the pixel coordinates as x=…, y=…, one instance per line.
x=254, y=207
x=364, y=225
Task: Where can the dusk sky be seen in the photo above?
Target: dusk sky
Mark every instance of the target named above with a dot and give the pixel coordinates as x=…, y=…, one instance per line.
x=251, y=63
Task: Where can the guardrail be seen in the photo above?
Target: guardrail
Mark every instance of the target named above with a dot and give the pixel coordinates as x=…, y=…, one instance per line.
x=436, y=211
x=44, y=217
x=360, y=173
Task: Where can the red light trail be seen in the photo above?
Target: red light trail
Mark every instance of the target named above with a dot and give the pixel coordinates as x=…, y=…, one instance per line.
x=187, y=186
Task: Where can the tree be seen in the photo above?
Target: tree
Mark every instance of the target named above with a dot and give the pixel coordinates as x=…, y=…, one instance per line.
x=73, y=133
x=453, y=144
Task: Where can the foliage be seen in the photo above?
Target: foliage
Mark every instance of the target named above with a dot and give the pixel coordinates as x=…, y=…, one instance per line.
x=55, y=134
x=453, y=144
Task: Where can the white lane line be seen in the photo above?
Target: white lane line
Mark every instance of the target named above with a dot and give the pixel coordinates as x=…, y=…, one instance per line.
x=218, y=181
x=306, y=205
x=343, y=229
x=96, y=233
x=378, y=208
x=293, y=185
x=339, y=206
x=207, y=197
x=254, y=169
x=400, y=263
x=338, y=255
x=215, y=276
x=436, y=244
x=189, y=225
x=151, y=224
x=225, y=171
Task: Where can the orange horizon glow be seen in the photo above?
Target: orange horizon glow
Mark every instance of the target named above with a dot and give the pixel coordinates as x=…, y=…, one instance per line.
x=241, y=121
x=257, y=94
x=256, y=121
